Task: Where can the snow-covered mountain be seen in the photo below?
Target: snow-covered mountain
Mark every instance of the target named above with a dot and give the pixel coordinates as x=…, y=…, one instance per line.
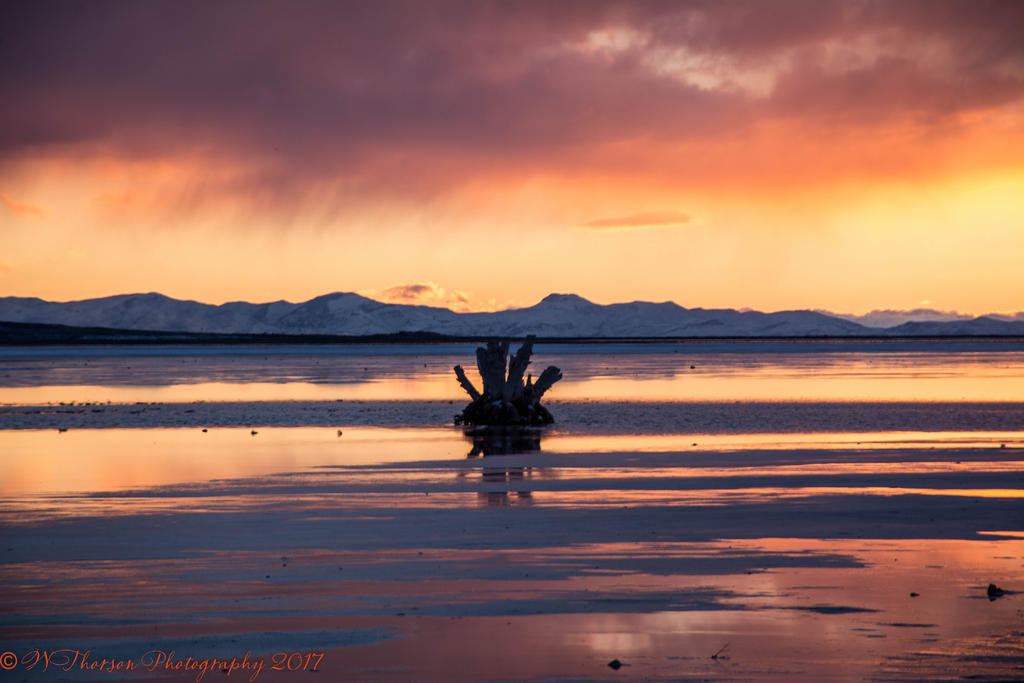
x=557, y=315
x=890, y=318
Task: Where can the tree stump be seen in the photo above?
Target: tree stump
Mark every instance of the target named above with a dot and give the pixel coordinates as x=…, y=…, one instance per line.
x=506, y=399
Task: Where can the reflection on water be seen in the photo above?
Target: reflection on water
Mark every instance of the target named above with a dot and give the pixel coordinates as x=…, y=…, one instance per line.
x=816, y=554
x=866, y=551
x=500, y=480
x=511, y=440
x=38, y=462
x=313, y=470
x=649, y=443
x=811, y=371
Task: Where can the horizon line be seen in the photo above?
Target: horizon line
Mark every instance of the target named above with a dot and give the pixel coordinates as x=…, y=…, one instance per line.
x=450, y=308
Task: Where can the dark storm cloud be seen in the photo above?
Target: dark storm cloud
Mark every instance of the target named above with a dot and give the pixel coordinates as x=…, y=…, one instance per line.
x=416, y=95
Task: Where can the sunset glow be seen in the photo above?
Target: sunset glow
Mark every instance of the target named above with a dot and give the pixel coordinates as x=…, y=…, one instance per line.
x=773, y=155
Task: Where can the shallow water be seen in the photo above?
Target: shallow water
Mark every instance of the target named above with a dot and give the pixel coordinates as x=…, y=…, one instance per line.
x=395, y=554
x=752, y=371
x=785, y=536
x=82, y=461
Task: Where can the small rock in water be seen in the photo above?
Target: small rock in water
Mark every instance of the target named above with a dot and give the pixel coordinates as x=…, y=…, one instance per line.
x=254, y=432
x=615, y=664
x=994, y=591
x=914, y=595
x=719, y=655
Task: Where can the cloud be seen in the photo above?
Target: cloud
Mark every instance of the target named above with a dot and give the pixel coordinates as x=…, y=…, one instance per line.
x=651, y=219
x=280, y=104
x=409, y=292
x=423, y=294
x=21, y=209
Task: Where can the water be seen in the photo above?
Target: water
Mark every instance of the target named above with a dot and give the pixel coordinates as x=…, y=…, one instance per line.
x=800, y=510
x=751, y=371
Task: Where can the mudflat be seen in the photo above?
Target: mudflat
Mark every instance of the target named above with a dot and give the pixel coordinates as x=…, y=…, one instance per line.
x=787, y=539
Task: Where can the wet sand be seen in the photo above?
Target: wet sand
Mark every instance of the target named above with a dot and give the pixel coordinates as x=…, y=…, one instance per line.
x=603, y=417
x=763, y=511
x=408, y=554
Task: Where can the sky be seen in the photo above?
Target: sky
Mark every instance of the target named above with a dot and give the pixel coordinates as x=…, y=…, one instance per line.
x=772, y=154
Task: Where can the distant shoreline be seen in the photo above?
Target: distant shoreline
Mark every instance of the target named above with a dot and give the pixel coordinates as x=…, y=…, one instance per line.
x=42, y=334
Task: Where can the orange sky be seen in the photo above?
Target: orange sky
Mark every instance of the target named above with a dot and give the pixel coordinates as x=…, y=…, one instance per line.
x=771, y=155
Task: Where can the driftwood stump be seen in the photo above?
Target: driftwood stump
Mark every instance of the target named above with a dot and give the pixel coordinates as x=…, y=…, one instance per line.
x=506, y=399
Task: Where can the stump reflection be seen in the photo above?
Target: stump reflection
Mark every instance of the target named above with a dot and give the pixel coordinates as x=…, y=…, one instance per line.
x=503, y=440
x=495, y=442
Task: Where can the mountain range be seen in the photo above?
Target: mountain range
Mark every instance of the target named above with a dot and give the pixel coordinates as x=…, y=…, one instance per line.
x=557, y=315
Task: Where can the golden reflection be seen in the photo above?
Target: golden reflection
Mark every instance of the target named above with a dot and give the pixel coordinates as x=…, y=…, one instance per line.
x=597, y=498
x=655, y=376
x=855, y=379
x=86, y=471
x=650, y=443
x=419, y=389
x=38, y=462
x=47, y=461
x=315, y=505
x=872, y=468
